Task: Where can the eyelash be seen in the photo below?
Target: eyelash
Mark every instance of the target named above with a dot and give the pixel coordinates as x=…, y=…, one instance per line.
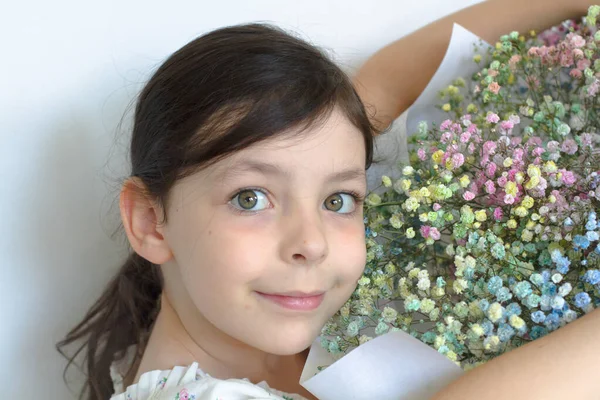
x=359, y=199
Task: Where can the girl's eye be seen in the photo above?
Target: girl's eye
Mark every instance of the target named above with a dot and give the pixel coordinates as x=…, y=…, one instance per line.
x=342, y=203
x=250, y=200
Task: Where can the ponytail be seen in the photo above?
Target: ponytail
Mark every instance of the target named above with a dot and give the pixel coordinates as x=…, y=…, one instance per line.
x=123, y=316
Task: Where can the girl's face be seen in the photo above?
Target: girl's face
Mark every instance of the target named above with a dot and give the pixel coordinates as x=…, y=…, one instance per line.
x=269, y=243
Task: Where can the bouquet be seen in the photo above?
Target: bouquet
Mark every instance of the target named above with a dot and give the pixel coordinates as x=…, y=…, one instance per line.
x=489, y=238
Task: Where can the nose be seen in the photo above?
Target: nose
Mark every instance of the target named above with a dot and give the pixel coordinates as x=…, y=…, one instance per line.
x=304, y=239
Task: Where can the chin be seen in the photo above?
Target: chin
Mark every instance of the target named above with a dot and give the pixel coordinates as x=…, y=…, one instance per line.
x=287, y=342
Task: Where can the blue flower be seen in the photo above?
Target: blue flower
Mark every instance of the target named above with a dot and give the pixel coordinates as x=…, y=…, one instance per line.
x=494, y=284
x=598, y=248
x=580, y=242
x=552, y=321
x=532, y=301
x=568, y=222
x=503, y=294
x=513, y=309
x=440, y=282
x=484, y=305
x=591, y=225
x=582, y=299
x=505, y=332
x=429, y=337
x=546, y=275
x=488, y=327
x=538, y=317
x=592, y=236
x=549, y=289
x=538, y=332
x=592, y=276
x=522, y=289
x=562, y=264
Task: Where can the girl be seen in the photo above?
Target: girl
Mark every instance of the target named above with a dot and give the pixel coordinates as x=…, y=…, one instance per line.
x=244, y=214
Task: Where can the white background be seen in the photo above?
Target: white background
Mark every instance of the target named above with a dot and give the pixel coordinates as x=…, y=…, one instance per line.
x=68, y=71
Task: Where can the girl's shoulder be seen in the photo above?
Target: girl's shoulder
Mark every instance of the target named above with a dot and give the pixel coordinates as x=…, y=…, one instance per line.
x=191, y=383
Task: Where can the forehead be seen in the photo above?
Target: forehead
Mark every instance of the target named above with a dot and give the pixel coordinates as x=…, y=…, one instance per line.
x=331, y=145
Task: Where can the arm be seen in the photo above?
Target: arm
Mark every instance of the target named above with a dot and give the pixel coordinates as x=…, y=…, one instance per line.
x=392, y=79
x=562, y=365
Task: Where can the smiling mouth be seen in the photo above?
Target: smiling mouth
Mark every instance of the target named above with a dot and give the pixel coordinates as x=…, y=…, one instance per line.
x=298, y=301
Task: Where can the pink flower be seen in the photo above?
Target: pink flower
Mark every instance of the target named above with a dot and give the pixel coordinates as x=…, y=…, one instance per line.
x=552, y=146
x=507, y=125
x=464, y=137
x=498, y=214
x=434, y=234
x=518, y=154
x=583, y=64
x=492, y=118
x=576, y=40
x=569, y=146
x=446, y=137
x=568, y=177
x=421, y=154
x=490, y=188
x=586, y=140
x=425, y=231
x=436, y=206
x=494, y=87
x=468, y=196
x=509, y=199
x=502, y=181
x=512, y=62
x=184, y=394
x=489, y=147
x=471, y=148
x=492, y=72
x=575, y=73
x=445, y=125
x=538, y=151
x=457, y=160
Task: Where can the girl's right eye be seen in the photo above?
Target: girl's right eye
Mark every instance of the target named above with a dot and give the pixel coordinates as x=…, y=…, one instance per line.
x=250, y=200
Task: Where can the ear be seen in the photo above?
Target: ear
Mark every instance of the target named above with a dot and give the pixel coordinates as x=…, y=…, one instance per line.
x=140, y=216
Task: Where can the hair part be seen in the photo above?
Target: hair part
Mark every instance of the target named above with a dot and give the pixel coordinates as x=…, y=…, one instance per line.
x=219, y=94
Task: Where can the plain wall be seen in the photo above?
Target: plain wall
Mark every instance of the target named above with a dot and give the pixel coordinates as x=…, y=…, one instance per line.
x=68, y=71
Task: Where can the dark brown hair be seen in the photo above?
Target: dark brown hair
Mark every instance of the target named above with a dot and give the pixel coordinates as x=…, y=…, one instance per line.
x=218, y=94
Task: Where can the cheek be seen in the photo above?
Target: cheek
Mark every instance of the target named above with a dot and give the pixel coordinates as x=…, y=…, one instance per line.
x=350, y=250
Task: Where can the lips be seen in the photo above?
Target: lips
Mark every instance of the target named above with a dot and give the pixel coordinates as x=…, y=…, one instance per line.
x=299, y=301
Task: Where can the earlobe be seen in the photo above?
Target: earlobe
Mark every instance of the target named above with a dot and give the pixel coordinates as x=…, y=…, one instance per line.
x=140, y=217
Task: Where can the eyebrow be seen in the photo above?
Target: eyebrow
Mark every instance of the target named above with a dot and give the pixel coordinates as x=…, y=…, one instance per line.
x=268, y=169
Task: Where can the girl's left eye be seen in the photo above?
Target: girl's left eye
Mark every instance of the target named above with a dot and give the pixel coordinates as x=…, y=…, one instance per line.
x=250, y=200
x=343, y=203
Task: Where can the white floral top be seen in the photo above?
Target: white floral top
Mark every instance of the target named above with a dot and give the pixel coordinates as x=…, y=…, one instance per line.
x=191, y=383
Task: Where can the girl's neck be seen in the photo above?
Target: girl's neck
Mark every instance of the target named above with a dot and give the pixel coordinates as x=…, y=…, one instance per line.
x=171, y=344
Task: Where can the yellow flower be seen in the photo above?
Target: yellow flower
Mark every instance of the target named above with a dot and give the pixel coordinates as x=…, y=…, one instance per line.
x=519, y=177
x=533, y=170
x=387, y=182
x=446, y=107
x=530, y=225
x=493, y=342
x=477, y=58
x=552, y=199
x=451, y=355
x=423, y=217
x=516, y=322
x=424, y=192
x=533, y=182
x=464, y=181
x=550, y=167
x=410, y=233
x=512, y=224
x=437, y=156
x=511, y=188
x=471, y=108
x=405, y=184
x=527, y=202
x=526, y=235
x=507, y=162
x=477, y=330
x=481, y=215
x=495, y=312
x=521, y=211
x=373, y=199
x=395, y=221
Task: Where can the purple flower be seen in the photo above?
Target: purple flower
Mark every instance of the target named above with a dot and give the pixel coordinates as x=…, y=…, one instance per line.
x=569, y=146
